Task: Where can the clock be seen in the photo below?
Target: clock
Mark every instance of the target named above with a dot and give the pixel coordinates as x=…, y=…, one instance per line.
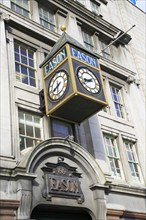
x=88, y=80
x=58, y=85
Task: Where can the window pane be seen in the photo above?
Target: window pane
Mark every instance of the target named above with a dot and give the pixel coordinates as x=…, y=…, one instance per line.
x=29, y=126
x=17, y=58
x=25, y=66
x=116, y=96
x=37, y=122
x=21, y=117
x=29, y=131
x=131, y=156
x=21, y=129
x=25, y=13
x=24, y=59
x=17, y=67
x=23, y=51
x=22, y=143
x=30, y=54
x=18, y=77
x=110, y=151
x=25, y=4
x=18, y=9
x=25, y=79
x=24, y=70
x=32, y=82
x=61, y=129
x=31, y=63
x=37, y=133
x=31, y=73
x=113, y=155
x=47, y=18
x=29, y=142
x=20, y=6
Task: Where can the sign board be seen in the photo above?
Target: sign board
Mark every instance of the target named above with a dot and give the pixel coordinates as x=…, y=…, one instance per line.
x=61, y=180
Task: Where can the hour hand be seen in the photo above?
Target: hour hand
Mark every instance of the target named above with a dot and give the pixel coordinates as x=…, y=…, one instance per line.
x=88, y=80
x=56, y=86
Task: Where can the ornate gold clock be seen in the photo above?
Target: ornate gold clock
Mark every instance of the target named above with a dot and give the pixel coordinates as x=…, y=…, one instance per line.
x=58, y=85
x=88, y=80
x=73, y=86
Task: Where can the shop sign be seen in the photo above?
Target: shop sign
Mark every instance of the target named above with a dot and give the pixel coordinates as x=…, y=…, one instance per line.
x=86, y=58
x=55, y=61
x=61, y=180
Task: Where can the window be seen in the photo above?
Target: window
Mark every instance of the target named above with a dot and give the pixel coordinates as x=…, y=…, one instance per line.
x=21, y=7
x=81, y=2
x=105, y=52
x=24, y=64
x=29, y=130
x=94, y=7
x=117, y=99
x=87, y=38
x=113, y=155
x=61, y=129
x=47, y=18
x=132, y=159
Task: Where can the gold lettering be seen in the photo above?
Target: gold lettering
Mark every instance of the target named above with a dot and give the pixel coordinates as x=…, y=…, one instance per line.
x=65, y=185
x=59, y=185
x=52, y=183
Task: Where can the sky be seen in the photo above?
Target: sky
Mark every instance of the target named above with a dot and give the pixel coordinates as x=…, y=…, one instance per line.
x=140, y=4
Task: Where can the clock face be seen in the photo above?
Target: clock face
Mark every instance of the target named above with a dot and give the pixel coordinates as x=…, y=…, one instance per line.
x=58, y=85
x=88, y=80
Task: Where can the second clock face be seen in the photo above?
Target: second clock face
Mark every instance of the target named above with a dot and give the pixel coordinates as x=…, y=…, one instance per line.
x=88, y=80
x=58, y=85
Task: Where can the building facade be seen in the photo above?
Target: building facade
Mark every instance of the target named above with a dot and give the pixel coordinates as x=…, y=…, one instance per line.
x=55, y=169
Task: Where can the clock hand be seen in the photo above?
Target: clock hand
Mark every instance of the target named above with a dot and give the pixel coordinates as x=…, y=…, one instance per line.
x=57, y=86
x=88, y=80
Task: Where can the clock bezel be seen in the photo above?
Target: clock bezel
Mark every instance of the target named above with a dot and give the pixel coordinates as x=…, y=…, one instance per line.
x=95, y=78
x=66, y=87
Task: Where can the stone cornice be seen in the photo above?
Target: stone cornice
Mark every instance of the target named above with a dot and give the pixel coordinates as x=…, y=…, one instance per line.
x=27, y=26
x=115, y=69
x=97, y=23
x=112, y=213
x=126, y=189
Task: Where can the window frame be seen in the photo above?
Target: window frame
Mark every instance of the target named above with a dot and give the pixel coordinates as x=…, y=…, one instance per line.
x=42, y=9
x=24, y=123
x=68, y=125
x=16, y=5
x=88, y=40
x=116, y=159
x=134, y=161
x=95, y=4
x=119, y=102
x=30, y=71
x=107, y=52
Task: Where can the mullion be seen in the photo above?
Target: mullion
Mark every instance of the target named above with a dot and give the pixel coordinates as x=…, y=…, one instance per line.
x=25, y=130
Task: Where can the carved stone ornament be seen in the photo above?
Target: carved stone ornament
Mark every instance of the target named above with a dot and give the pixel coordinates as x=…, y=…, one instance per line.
x=61, y=180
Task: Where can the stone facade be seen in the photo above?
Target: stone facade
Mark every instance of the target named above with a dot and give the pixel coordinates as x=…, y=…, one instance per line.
x=95, y=183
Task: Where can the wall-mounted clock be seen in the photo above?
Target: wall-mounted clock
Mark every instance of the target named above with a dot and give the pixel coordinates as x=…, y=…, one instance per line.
x=58, y=85
x=73, y=87
x=88, y=80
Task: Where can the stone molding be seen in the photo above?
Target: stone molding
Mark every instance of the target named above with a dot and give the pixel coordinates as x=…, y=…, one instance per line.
x=114, y=214
x=8, y=208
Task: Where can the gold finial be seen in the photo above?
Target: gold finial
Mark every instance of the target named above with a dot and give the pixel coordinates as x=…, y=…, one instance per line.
x=63, y=28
